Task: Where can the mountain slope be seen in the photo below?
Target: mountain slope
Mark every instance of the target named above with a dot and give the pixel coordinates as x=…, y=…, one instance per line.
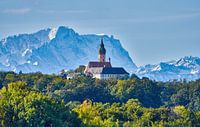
x=185, y=68
x=52, y=50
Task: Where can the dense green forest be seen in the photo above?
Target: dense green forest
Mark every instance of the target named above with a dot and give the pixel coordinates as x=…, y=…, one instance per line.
x=36, y=99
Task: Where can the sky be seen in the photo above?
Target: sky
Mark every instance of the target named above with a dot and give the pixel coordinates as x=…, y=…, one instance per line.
x=150, y=30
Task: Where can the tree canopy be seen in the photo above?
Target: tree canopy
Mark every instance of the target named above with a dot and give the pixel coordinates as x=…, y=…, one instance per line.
x=38, y=99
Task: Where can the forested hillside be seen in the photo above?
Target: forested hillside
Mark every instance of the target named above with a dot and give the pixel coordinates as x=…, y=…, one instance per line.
x=36, y=99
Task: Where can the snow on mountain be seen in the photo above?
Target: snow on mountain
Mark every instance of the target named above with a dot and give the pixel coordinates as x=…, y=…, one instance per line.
x=52, y=33
x=186, y=68
x=52, y=50
x=26, y=52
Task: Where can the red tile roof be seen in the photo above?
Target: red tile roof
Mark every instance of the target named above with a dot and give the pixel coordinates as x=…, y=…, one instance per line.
x=99, y=64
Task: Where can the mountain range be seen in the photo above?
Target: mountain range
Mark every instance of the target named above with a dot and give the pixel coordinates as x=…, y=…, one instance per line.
x=53, y=49
x=185, y=68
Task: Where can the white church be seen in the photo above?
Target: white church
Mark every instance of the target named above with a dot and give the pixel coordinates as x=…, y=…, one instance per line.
x=103, y=69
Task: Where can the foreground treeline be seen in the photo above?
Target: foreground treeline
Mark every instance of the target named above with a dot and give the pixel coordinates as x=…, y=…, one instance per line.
x=49, y=100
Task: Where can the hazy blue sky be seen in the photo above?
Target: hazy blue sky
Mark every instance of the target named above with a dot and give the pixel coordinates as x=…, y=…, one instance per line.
x=151, y=30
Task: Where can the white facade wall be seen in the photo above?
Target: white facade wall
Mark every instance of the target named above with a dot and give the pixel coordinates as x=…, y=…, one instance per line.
x=107, y=76
x=96, y=73
x=98, y=76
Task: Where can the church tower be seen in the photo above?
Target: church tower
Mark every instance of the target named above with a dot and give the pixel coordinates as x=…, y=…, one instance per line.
x=102, y=52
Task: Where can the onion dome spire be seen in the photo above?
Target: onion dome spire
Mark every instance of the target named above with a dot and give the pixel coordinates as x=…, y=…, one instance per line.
x=102, y=49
